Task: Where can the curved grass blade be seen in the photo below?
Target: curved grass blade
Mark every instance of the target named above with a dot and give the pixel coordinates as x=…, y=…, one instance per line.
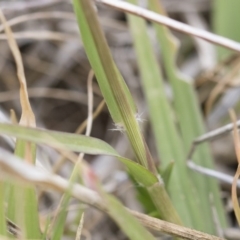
x=81, y=143
x=3, y=227
x=78, y=143
x=58, y=227
x=131, y=226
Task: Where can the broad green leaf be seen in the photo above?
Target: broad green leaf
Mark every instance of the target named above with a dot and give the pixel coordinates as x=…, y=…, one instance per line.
x=78, y=143
x=130, y=225
x=191, y=125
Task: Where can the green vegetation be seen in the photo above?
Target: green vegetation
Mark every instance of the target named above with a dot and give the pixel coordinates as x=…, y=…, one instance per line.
x=169, y=191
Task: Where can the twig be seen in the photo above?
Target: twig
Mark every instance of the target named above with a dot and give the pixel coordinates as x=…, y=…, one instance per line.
x=23, y=5
x=40, y=15
x=157, y=18
x=90, y=103
x=15, y=168
x=216, y=217
x=98, y=110
x=41, y=35
x=172, y=229
x=221, y=85
x=55, y=93
x=212, y=173
x=210, y=136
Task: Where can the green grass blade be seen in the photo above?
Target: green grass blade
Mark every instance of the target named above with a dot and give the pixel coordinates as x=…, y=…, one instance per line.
x=166, y=173
x=131, y=226
x=3, y=228
x=22, y=202
x=91, y=32
x=47, y=225
x=31, y=210
x=145, y=199
x=58, y=227
x=101, y=60
x=191, y=125
x=24, y=198
x=225, y=17
x=99, y=56
x=114, y=89
x=61, y=216
x=75, y=142
x=78, y=143
x=142, y=176
x=169, y=145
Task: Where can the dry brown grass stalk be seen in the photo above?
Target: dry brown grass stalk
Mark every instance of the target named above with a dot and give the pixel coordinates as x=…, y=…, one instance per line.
x=181, y=27
x=237, y=174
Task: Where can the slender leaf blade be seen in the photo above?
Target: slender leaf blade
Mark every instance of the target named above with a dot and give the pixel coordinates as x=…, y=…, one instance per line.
x=131, y=226
x=225, y=17
x=3, y=227
x=78, y=143
x=87, y=19
x=114, y=89
x=191, y=125
x=168, y=141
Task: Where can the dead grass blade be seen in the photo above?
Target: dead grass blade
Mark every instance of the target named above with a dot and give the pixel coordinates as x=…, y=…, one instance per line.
x=39, y=15
x=181, y=27
x=80, y=227
x=221, y=86
x=237, y=174
x=27, y=118
x=42, y=35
